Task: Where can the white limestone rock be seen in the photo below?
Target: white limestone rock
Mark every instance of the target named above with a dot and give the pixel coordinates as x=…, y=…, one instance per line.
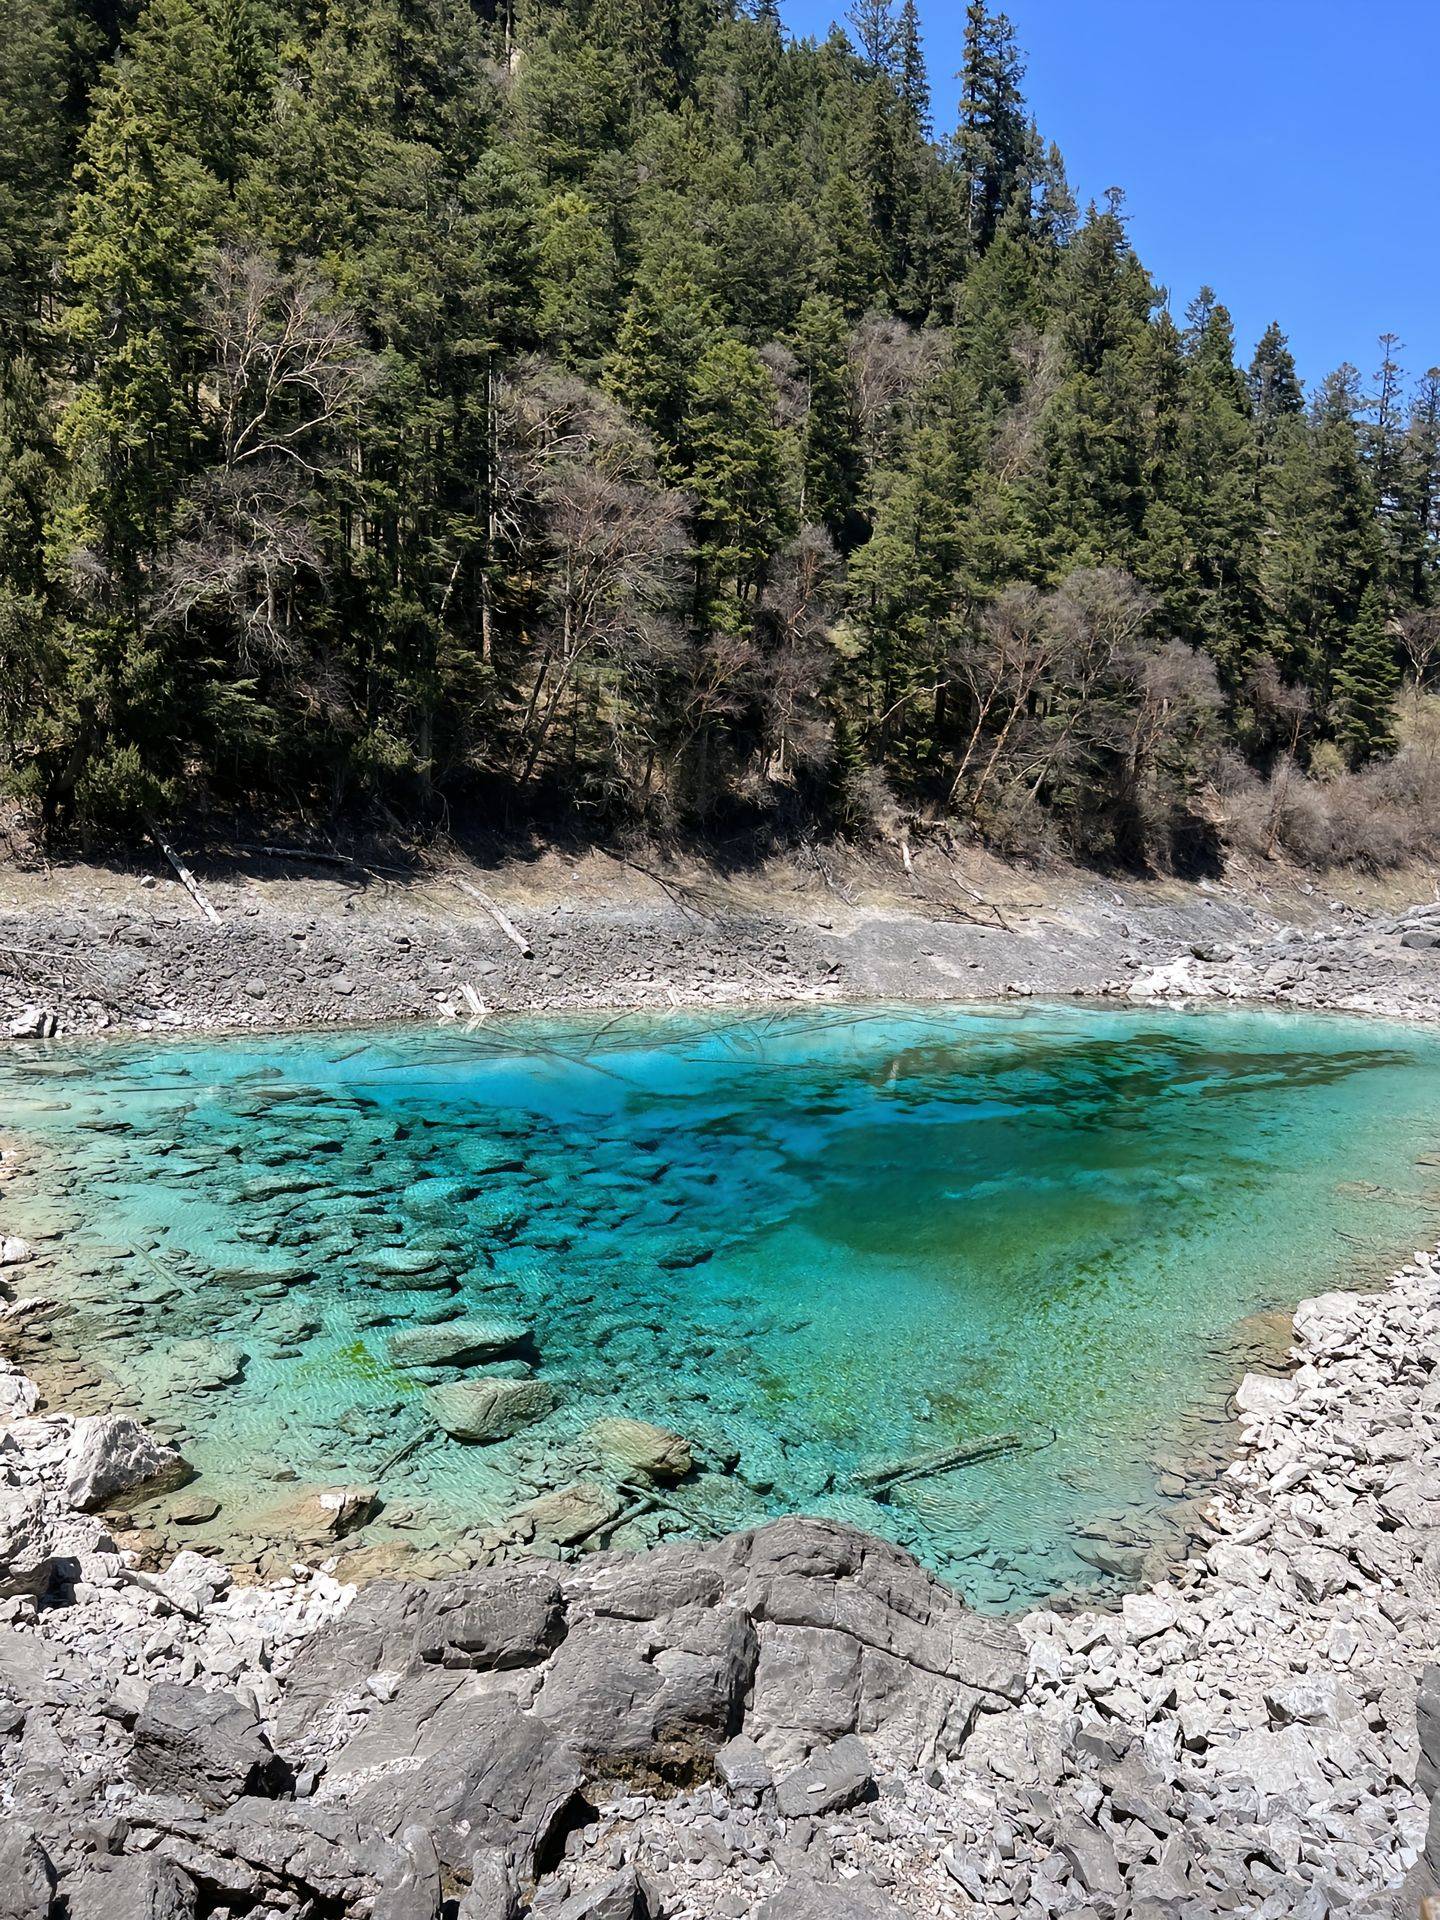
x=111, y=1455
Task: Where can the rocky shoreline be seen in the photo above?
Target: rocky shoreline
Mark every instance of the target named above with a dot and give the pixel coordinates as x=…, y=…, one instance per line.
x=795, y=1721
x=134, y=955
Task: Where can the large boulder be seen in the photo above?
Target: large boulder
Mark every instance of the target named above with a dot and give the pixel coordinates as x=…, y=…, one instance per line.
x=27, y=1877
x=833, y=1779
x=489, y=1408
x=651, y=1698
x=111, y=1456
x=203, y=1746
x=471, y=1768
x=130, y=1887
x=856, y=1637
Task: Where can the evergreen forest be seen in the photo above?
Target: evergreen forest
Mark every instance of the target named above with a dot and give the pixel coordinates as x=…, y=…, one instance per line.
x=635, y=417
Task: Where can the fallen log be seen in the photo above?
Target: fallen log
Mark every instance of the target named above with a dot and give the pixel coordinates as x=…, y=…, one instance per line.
x=921, y=1466
x=505, y=924
x=403, y=1452
x=298, y=853
x=186, y=878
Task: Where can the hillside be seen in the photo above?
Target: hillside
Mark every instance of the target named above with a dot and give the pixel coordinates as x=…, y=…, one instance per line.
x=415, y=409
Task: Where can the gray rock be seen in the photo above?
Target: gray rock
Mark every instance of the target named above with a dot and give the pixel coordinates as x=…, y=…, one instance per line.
x=839, y=1776
x=470, y=1769
x=27, y=1878
x=657, y=1701
x=1092, y=1860
x=743, y=1770
x=1427, y=1725
x=489, y=1409
x=139, y=1887
x=492, y=1893
x=626, y=1896
x=27, y=1556
x=112, y=1455
x=506, y=1616
x=455, y=1343
x=414, y=1893
x=812, y=1900
x=203, y=1746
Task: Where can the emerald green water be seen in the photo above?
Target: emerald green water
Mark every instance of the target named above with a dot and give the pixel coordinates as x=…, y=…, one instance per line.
x=808, y=1241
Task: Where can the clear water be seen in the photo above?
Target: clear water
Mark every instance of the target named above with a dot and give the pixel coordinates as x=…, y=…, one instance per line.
x=806, y=1240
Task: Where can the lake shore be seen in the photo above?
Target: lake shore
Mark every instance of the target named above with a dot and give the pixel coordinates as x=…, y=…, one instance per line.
x=88, y=950
x=820, y=1728
x=797, y=1722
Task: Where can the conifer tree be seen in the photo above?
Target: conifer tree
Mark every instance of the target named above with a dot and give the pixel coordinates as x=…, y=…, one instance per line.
x=1367, y=680
x=995, y=144
x=737, y=476
x=667, y=325
x=829, y=435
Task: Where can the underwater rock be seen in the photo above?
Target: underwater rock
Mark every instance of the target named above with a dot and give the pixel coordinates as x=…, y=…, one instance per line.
x=488, y=1408
x=638, y=1447
x=437, y=1198
x=111, y=1454
x=327, y=1514
x=408, y=1262
x=203, y=1365
x=570, y=1513
x=14, y=1252
x=456, y=1342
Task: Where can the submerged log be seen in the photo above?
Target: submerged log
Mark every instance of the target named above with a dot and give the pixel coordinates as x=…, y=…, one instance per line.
x=919, y=1466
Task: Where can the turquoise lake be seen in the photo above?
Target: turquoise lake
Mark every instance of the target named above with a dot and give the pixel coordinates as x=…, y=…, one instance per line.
x=809, y=1241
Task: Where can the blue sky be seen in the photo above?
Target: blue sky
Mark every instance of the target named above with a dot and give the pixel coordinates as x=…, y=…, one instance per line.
x=1270, y=147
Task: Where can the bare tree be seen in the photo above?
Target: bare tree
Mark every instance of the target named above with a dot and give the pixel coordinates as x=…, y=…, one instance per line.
x=1419, y=634
x=609, y=536
x=889, y=364
x=286, y=379
x=289, y=368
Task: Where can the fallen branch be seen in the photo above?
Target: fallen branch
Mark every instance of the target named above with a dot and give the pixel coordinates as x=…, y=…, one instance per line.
x=298, y=853
x=187, y=879
x=403, y=1452
x=644, y=1504
x=506, y=925
x=670, y=1504
x=921, y=1466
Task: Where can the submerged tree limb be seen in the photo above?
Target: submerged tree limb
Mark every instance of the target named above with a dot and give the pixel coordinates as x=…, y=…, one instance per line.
x=920, y=1466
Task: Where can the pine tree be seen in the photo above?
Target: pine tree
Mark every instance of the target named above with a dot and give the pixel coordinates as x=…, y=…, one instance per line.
x=1277, y=399
x=667, y=326
x=1367, y=680
x=829, y=433
x=578, y=278
x=995, y=144
x=737, y=477
x=34, y=162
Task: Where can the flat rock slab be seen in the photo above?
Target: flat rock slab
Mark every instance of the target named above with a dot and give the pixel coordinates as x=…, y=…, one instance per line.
x=457, y=1342
x=479, y=1410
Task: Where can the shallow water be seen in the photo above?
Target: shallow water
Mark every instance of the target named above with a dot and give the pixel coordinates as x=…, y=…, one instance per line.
x=806, y=1240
